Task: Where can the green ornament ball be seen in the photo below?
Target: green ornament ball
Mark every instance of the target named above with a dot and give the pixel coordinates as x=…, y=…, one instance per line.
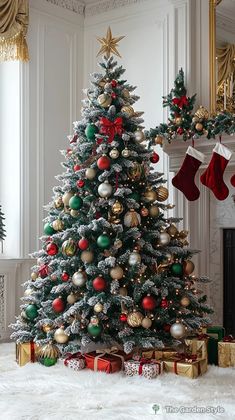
x=75, y=202
x=177, y=269
x=103, y=241
x=94, y=330
x=48, y=229
x=135, y=196
x=90, y=131
x=48, y=361
x=31, y=311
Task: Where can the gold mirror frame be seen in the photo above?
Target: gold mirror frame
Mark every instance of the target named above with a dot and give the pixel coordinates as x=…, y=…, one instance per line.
x=212, y=53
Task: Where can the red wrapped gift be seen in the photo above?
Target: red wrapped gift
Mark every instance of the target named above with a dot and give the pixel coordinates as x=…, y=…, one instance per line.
x=107, y=360
x=75, y=361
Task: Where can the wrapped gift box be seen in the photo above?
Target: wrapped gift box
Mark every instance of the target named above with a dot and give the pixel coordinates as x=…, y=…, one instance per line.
x=226, y=353
x=198, y=346
x=159, y=354
x=144, y=367
x=216, y=334
x=188, y=367
x=75, y=361
x=108, y=362
x=26, y=352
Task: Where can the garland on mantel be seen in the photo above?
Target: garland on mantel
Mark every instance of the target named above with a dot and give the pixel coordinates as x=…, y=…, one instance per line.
x=183, y=123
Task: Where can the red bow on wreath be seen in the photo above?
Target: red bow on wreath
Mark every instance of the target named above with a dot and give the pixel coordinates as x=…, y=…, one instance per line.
x=110, y=128
x=180, y=102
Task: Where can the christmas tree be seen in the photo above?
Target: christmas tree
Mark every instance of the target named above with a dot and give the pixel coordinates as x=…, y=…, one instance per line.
x=2, y=228
x=113, y=269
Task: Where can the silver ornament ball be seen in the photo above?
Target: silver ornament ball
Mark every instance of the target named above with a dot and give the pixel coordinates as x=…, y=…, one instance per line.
x=177, y=330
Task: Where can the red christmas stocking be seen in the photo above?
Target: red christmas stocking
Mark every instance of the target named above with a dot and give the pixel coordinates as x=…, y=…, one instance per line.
x=213, y=175
x=184, y=180
x=232, y=180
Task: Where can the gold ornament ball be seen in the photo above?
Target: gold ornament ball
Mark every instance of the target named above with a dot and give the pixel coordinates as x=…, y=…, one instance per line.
x=195, y=119
x=199, y=126
x=90, y=173
x=126, y=152
x=46, y=328
x=117, y=207
x=164, y=238
x=114, y=153
x=162, y=193
x=116, y=272
x=177, y=330
x=202, y=113
x=139, y=136
x=72, y=298
x=58, y=203
x=188, y=267
x=117, y=243
x=158, y=140
x=146, y=322
x=150, y=196
x=125, y=93
x=98, y=307
x=74, y=213
x=136, y=171
x=185, y=301
x=178, y=120
x=172, y=230
x=134, y=319
x=66, y=197
x=104, y=100
x=128, y=110
x=28, y=292
x=154, y=211
x=60, y=336
x=123, y=291
x=87, y=256
x=183, y=234
x=58, y=224
x=34, y=275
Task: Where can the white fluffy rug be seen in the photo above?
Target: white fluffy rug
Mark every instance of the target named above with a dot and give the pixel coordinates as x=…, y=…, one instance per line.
x=35, y=392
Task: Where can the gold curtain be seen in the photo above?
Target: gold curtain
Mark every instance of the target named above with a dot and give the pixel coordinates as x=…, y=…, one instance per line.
x=226, y=63
x=14, y=18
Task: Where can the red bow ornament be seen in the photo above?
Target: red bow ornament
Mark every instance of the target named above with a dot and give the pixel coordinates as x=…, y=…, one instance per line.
x=180, y=102
x=111, y=128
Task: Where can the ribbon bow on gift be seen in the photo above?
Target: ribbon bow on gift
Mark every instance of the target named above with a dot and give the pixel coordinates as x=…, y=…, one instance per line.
x=110, y=128
x=71, y=356
x=180, y=102
x=229, y=339
x=202, y=336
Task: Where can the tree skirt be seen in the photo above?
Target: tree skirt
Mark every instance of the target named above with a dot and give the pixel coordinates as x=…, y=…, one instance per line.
x=35, y=392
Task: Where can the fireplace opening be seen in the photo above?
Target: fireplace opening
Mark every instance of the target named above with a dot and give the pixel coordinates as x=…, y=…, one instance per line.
x=229, y=280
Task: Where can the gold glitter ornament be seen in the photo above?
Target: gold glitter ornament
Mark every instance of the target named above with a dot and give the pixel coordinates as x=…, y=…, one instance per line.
x=117, y=207
x=58, y=203
x=104, y=100
x=98, y=307
x=58, y=225
x=129, y=110
x=185, y=301
x=135, y=318
x=162, y=193
x=154, y=211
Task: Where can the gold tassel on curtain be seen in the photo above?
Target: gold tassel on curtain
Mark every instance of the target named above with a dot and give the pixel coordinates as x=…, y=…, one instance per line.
x=14, y=18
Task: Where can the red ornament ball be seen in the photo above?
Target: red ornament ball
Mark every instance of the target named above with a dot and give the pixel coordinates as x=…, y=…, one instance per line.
x=83, y=244
x=123, y=317
x=164, y=303
x=114, y=83
x=64, y=276
x=103, y=162
x=76, y=168
x=80, y=183
x=58, y=305
x=113, y=95
x=180, y=130
x=99, y=141
x=167, y=327
x=43, y=271
x=154, y=158
x=52, y=248
x=99, y=284
x=149, y=303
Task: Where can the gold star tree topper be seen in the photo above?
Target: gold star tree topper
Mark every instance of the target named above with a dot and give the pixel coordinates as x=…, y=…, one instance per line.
x=109, y=44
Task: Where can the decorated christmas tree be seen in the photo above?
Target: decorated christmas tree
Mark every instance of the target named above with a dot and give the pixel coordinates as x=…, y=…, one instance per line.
x=113, y=268
x=2, y=228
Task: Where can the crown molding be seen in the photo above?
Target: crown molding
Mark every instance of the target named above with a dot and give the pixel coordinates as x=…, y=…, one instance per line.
x=75, y=6
x=107, y=5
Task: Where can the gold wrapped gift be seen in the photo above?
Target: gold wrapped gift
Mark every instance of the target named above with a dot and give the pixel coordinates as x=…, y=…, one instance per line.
x=191, y=369
x=26, y=352
x=226, y=354
x=198, y=347
x=159, y=354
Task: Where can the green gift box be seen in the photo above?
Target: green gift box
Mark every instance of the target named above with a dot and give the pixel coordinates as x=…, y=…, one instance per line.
x=216, y=334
